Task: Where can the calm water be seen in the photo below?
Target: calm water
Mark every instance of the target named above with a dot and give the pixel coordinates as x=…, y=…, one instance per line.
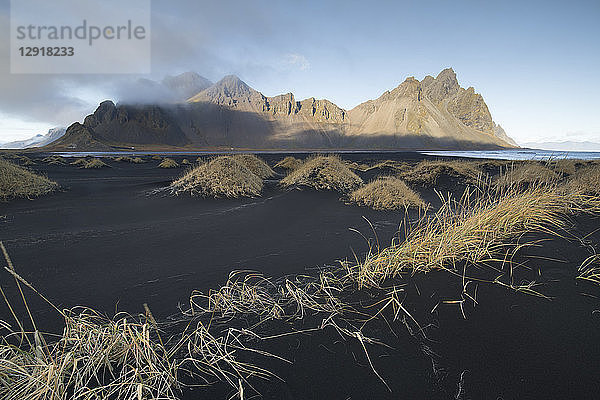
x=200, y=152
x=511, y=154
x=519, y=154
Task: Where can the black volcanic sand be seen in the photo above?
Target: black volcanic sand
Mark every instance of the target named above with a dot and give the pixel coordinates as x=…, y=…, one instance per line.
x=108, y=241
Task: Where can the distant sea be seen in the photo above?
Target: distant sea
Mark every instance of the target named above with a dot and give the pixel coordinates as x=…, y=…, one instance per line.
x=509, y=154
x=518, y=154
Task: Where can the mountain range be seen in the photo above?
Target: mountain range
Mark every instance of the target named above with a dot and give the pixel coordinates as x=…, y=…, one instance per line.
x=35, y=141
x=435, y=113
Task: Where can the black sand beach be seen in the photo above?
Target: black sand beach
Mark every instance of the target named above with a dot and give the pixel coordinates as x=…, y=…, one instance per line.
x=125, y=245
x=111, y=240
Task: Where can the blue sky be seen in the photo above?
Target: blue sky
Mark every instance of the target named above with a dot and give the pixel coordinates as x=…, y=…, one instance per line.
x=534, y=62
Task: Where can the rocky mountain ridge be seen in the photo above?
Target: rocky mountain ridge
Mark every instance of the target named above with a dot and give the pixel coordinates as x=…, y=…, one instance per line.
x=231, y=91
x=435, y=113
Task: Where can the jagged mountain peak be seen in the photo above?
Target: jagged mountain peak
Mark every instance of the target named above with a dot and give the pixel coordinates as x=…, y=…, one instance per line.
x=444, y=85
x=231, y=91
x=231, y=79
x=234, y=85
x=447, y=73
x=105, y=112
x=433, y=107
x=185, y=76
x=106, y=104
x=411, y=87
x=186, y=84
x=427, y=80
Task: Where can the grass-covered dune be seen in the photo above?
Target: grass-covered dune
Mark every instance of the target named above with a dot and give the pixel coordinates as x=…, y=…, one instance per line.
x=18, y=182
x=89, y=163
x=585, y=180
x=323, y=173
x=94, y=163
x=428, y=172
x=386, y=193
x=54, y=160
x=225, y=176
x=289, y=163
x=168, y=163
x=80, y=162
x=134, y=160
x=524, y=174
x=255, y=164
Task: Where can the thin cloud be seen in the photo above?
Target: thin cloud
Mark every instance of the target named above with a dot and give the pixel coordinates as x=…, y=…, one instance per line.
x=296, y=61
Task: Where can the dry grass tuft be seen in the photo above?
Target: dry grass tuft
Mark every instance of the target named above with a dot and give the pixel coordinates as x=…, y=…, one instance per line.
x=566, y=166
x=324, y=173
x=18, y=182
x=95, y=163
x=24, y=160
x=136, y=160
x=168, y=163
x=586, y=180
x=390, y=164
x=357, y=167
x=247, y=293
x=428, y=172
x=523, y=175
x=473, y=231
x=254, y=164
x=124, y=357
x=223, y=176
x=387, y=193
x=589, y=270
x=383, y=165
x=156, y=157
x=95, y=358
x=54, y=160
x=185, y=161
x=289, y=163
x=80, y=162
